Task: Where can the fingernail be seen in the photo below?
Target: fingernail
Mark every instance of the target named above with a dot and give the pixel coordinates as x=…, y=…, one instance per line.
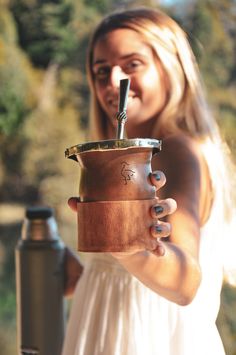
x=158, y=229
x=157, y=177
x=158, y=209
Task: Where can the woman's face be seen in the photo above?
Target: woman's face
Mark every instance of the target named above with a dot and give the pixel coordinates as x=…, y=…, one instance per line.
x=123, y=54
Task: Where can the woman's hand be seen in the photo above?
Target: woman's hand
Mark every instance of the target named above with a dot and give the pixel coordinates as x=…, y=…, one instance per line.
x=159, y=228
x=72, y=202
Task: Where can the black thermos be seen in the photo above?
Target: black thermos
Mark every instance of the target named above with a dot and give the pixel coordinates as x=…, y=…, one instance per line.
x=39, y=285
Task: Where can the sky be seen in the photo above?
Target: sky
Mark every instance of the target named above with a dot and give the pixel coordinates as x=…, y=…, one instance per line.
x=170, y=2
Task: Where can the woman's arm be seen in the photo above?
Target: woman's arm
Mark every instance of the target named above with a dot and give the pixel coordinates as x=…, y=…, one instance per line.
x=176, y=275
x=72, y=271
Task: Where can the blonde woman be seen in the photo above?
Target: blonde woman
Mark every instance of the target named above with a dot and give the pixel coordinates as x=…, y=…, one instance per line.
x=161, y=302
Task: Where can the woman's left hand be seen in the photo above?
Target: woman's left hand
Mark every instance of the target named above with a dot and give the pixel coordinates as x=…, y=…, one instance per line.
x=159, y=228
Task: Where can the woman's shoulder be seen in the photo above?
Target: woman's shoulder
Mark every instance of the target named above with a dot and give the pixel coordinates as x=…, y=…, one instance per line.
x=180, y=149
x=187, y=172
x=181, y=141
x=180, y=160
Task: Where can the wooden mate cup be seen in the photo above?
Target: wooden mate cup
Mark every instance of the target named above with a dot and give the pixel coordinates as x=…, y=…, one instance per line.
x=115, y=193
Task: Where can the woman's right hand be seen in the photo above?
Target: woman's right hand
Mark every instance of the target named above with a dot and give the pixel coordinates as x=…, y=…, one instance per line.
x=72, y=202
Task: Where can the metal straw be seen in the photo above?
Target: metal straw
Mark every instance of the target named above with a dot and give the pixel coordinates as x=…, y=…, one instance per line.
x=121, y=115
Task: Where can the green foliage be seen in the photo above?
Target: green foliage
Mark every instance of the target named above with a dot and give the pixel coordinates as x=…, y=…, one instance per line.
x=16, y=98
x=12, y=110
x=101, y=6
x=8, y=302
x=226, y=320
x=8, y=30
x=215, y=44
x=211, y=28
x=45, y=30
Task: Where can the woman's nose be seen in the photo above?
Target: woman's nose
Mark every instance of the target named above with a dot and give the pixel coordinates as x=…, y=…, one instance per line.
x=116, y=75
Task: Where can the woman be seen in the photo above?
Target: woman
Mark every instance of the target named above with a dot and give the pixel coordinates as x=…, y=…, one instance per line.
x=163, y=301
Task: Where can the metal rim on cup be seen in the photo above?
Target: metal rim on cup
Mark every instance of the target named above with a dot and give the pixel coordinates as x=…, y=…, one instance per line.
x=104, y=145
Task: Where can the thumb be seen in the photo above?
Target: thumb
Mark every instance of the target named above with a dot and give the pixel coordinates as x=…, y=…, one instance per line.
x=72, y=202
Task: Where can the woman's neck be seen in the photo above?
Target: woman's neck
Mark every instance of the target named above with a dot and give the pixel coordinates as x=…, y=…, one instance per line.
x=140, y=130
x=133, y=130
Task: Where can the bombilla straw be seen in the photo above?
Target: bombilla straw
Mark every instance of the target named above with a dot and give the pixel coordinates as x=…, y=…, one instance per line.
x=121, y=115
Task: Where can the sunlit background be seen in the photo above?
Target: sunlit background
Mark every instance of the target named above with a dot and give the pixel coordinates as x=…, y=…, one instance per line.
x=44, y=109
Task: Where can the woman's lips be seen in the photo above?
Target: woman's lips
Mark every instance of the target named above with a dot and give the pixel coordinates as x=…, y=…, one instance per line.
x=114, y=102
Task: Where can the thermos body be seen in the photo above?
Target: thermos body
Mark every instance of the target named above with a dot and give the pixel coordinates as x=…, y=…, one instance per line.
x=39, y=285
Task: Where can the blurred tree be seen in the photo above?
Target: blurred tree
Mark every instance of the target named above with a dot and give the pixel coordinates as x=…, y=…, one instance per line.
x=18, y=97
x=45, y=31
x=16, y=94
x=211, y=25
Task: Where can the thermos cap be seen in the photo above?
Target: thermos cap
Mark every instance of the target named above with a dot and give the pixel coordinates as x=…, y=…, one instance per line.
x=39, y=212
x=39, y=224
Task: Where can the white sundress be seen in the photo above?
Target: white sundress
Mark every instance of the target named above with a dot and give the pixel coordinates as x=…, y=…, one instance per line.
x=115, y=314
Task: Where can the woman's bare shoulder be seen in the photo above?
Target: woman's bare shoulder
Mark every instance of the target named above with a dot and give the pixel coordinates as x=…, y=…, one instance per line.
x=181, y=143
x=181, y=152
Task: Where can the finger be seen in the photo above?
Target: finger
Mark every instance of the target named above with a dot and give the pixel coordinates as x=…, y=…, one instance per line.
x=161, y=230
x=163, y=208
x=158, y=179
x=72, y=202
x=160, y=249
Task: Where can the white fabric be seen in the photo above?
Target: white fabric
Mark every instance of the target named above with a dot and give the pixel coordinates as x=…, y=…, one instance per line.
x=114, y=314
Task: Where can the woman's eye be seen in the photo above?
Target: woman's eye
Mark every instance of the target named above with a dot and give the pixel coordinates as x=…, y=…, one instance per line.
x=102, y=72
x=133, y=65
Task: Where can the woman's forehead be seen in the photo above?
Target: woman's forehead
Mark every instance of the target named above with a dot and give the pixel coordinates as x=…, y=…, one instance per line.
x=120, y=43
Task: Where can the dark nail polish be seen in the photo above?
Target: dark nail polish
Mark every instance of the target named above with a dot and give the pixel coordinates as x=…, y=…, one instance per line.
x=158, y=229
x=158, y=209
x=157, y=177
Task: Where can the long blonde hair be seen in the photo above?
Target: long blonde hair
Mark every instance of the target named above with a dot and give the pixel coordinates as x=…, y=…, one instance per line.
x=186, y=109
